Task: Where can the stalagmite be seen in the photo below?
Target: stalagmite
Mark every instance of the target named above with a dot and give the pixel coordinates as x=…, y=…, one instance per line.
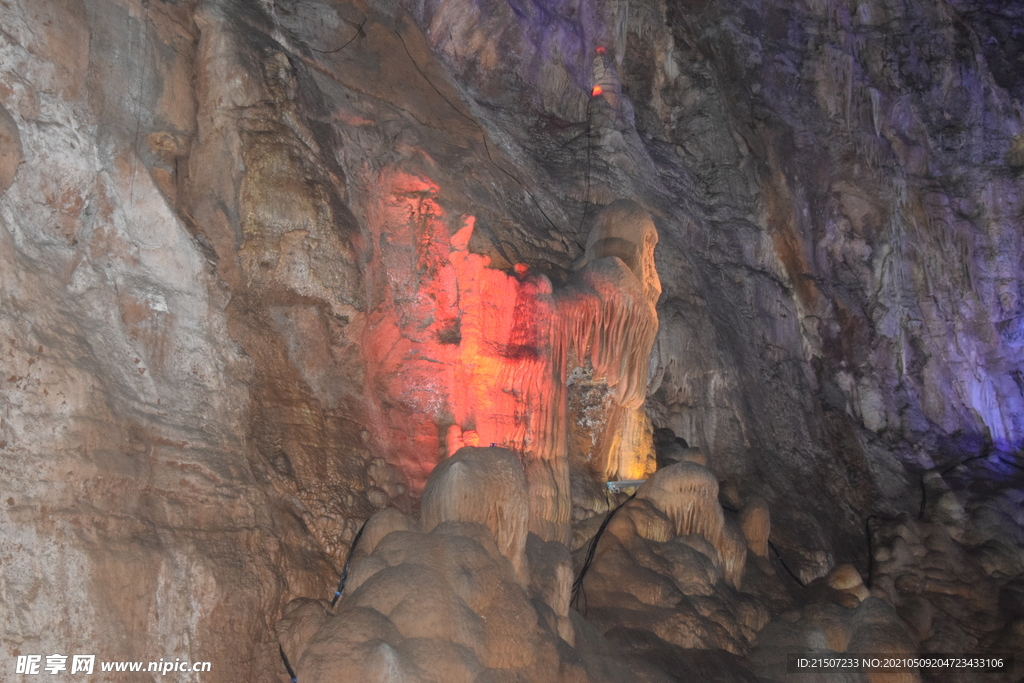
x=687, y=493
x=382, y=523
x=846, y=578
x=550, y=583
x=756, y=524
x=464, y=595
x=301, y=619
x=733, y=548
x=483, y=485
x=648, y=521
x=878, y=629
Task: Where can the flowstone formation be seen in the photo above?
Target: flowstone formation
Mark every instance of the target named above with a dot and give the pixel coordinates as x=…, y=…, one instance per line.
x=466, y=593
x=608, y=340
x=672, y=565
x=245, y=305
x=674, y=588
x=459, y=353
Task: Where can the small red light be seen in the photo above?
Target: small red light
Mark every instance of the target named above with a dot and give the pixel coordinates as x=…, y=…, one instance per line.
x=521, y=268
x=600, y=50
x=596, y=91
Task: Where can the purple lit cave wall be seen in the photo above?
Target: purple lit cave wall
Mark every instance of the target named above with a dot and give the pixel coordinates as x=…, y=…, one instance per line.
x=511, y=340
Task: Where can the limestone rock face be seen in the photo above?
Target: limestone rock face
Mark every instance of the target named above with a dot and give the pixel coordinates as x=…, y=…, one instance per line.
x=242, y=243
x=10, y=149
x=133, y=518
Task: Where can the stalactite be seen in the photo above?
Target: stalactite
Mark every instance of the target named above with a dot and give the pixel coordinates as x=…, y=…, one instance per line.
x=476, y=355
x=644, y=17
x=876, y=109
x=607, y=314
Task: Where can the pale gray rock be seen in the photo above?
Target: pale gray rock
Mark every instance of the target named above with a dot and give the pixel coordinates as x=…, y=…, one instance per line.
x=10, y=149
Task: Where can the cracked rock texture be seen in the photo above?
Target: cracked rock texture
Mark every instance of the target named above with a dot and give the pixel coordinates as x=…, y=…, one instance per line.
x=187, y=277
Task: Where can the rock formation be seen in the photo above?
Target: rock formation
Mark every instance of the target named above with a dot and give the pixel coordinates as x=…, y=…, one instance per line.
x=264, y=264
x=756, y=525
x=467, y=598
x=456, y=347
x=608, y=325
x=485, y=486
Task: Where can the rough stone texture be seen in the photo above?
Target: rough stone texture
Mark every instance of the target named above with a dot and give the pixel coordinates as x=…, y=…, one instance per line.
x=188, y=438
x=10, y=149
x=135, y=525
x=471, y=598
x=807, y=202
x=670, y=567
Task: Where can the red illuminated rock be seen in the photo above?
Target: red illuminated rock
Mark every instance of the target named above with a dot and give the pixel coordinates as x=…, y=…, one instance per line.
x=456, y=348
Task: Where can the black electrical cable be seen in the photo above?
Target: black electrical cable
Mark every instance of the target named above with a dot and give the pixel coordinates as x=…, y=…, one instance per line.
x=348, y=560
x=577, y=585
x=337, y=594
x=586, y=190
x=774, y=550
x=287, y=665
x=984, y=454
x=784, y=565
x=359, y=32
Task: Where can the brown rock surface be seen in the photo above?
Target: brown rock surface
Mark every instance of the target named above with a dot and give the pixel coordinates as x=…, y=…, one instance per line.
x=216, y=298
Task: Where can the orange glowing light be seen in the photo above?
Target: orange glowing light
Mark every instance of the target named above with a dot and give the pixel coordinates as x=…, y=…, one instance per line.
x=468, y=342
x=596, y=91
x=458, y=353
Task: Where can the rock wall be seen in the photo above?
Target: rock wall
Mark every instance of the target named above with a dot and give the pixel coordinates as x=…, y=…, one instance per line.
x=188, y=432
x=823, y=176
x=136, y=523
